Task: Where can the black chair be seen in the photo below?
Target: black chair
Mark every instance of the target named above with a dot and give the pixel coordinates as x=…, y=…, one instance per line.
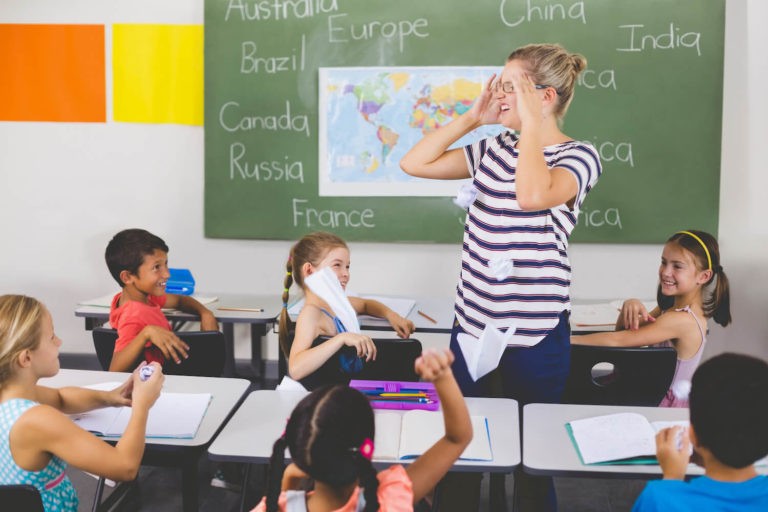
x=640, y=376
x=206, y=352
x=21, y=497
x=394, y=361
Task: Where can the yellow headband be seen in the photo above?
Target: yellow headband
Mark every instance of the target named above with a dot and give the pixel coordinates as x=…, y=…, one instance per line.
x=706, y=251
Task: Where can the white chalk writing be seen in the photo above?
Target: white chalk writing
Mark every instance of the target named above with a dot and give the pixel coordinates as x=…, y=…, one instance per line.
x=252, y=63
x=388, y=30
x=235, y=122
x=665, y=41
x=545, y=11
x=278, y=9
x=313, y=218
x=268, y=170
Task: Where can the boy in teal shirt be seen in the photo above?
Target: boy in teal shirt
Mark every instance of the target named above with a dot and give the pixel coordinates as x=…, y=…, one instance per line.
x=729, y=433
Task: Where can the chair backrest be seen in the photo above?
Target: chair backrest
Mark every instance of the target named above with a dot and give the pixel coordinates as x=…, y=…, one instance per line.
x=640, y=376
x=206, y=352
x=21, y=497
x=394, y=361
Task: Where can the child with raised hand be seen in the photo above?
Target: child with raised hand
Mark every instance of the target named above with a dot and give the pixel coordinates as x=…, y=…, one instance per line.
x=690, y=264
x=37, y=438
x=138, y=261
x=729, y=421
x=330, y=437
x=312, y=253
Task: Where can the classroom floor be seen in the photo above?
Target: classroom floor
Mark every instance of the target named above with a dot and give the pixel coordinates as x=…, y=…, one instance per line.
x=159, y=489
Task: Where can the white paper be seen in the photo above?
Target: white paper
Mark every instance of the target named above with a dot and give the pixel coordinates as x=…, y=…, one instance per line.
x=408, y=435
x=173, y=415
x=614, y=437
x=325, y=285
x=483, y=355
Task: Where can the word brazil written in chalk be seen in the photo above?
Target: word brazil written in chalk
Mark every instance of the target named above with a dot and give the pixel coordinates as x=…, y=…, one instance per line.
x=251, y=62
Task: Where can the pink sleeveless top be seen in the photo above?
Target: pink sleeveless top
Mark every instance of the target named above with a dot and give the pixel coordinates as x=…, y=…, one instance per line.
x=684, y=368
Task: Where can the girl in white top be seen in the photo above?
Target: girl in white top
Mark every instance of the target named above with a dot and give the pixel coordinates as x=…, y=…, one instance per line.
x=692, y=287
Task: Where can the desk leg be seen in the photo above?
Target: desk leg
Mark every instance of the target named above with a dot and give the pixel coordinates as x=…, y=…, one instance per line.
x=189, y=482
x=258, y=333
x=90, y=323
x=229, y=349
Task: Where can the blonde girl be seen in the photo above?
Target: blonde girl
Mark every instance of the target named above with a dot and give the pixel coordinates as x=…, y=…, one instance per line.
x=692, y=288
x=37, y=438
x=313, y=252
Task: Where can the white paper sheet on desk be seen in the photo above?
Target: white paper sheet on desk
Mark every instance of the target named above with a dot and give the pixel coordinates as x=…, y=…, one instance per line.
x=326, y=285
x=482, y=355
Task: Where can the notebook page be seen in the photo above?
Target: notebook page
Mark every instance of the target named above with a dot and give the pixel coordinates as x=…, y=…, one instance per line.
x=422, y=429
x=387, y=441
x=613, y=437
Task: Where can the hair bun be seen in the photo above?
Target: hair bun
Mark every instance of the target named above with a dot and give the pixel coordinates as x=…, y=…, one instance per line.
x=579, y=62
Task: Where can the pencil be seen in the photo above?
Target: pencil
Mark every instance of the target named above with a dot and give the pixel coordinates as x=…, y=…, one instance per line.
x=251, y=310
x=427, y=316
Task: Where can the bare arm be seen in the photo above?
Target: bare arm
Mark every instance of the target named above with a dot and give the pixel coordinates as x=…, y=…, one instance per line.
x=171, y=346
x=402, y=326
x=191, y=305
x=43, y=430
x=74, y=400
x=668, y=326
x=305, y=359
x=430, y=467
x=537, y=187
x=430, y=157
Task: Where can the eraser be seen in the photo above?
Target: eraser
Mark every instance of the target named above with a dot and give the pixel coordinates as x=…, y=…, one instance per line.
x=146, y=372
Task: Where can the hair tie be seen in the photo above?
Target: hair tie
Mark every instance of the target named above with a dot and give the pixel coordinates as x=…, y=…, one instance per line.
x=719, y=269
x=285, y=305
x=288, y=273
x=285, y=290
x=365, y=449
x=706, y=251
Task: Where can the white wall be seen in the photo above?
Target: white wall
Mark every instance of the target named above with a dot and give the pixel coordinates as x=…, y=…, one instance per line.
x=68, y=187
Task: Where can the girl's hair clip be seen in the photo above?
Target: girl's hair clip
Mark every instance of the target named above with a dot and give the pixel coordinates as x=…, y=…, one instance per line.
x=366, y=448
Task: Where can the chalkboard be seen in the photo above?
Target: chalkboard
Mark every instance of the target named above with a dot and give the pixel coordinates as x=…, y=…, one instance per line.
x=650, y=101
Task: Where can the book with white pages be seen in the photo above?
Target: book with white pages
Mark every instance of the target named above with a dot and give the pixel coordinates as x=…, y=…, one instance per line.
x=621, y=438
x=173, y=415
x=403, y=436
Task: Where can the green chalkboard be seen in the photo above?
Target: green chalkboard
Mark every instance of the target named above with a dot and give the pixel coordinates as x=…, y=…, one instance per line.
x=650, y=101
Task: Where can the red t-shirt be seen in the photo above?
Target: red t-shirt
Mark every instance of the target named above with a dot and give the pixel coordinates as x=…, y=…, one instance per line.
x=130, y=318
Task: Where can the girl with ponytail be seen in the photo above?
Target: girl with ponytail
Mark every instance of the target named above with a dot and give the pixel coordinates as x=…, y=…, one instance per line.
x=692, y=288
x=330, y=438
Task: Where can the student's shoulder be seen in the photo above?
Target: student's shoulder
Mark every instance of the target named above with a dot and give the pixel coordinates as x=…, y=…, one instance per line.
x=659, y=494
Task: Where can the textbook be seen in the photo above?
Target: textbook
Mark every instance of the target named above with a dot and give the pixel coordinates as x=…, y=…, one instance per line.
x=174, y=415
x=622, y=438
x=403, y=436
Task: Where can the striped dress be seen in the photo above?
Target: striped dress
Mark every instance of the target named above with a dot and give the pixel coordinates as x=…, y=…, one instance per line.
x=536, y=291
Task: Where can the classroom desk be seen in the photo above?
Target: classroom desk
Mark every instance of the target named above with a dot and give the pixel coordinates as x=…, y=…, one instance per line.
x=253, y=429
x=548, y=450
x=259, y=322
x=182, y=453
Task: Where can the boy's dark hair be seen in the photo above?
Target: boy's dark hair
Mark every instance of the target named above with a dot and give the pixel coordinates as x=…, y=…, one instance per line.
x=127, y=249
x=324, y=435
x=729, y=408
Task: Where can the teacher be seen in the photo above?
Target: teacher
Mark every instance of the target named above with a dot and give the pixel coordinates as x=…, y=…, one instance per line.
x=529, y=188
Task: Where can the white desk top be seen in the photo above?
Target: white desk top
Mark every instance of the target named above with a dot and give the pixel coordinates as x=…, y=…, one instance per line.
x=250, y=434
x=270, y=304
x=548, y=449
x=226, y=395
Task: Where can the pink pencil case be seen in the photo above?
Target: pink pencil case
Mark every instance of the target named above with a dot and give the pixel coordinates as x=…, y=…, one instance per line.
x=390, y=394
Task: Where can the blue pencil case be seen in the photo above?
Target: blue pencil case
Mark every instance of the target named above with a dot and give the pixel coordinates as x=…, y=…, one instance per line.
x=390, y=394
x=181, y=282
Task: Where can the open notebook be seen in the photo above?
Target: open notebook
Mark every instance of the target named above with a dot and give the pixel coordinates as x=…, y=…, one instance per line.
x=174, y=415
x=407, y=435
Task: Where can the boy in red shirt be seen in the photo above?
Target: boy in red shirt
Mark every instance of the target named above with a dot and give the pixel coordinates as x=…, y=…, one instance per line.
x=138, y=260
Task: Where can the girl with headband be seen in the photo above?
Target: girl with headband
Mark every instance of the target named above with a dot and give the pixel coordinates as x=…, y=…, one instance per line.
x=330, y=437
x=692, y=288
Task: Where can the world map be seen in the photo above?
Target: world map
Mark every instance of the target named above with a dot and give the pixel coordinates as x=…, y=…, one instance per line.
x=370, y=117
